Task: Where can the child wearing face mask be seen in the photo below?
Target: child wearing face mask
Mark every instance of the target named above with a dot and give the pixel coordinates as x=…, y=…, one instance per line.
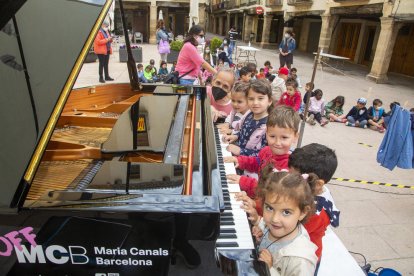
x=375, y=116
x=240, y=109
x=292, y=96
x=252, y=136
x=317, y=109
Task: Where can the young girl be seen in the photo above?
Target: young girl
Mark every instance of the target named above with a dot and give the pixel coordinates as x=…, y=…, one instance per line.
x=163, y=69
x=375, y=116
x=284, y=243
x=292, y=96
x=267, y=68
x=251, y=137
x=240, y=109
x=317, y=109
x=334, y=110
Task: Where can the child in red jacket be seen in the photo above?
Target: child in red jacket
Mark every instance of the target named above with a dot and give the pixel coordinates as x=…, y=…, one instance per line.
x=281, y=132
x=292, y=96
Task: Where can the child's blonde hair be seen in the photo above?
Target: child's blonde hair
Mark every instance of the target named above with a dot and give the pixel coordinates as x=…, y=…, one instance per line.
x=284, y=116
x=288, y=185
x=241, y=87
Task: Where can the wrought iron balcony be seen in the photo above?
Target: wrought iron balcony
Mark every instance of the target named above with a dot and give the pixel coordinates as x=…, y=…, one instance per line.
x=299, y=2
x=271, y=3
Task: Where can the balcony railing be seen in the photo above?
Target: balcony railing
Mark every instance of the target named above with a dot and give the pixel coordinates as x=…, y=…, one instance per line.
x=299, y=2
x=271, y=3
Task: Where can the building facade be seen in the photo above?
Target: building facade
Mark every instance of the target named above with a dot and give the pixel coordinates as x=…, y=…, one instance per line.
x=374, y=33
x=142, y=16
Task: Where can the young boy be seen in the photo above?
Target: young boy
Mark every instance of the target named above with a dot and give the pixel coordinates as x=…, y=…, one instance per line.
x=279, y=84
x=282, y=131
x=375, y=116
x=148, y=73
x=358, y=115
x=261, y=74
x=322, y=161
x=294, y=75
x=292, y=96
x=140, y=70
x=245, y=75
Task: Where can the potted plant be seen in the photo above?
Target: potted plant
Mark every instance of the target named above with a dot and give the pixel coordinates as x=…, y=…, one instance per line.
x=215, y=43
x=136, y=53
x=175, y=48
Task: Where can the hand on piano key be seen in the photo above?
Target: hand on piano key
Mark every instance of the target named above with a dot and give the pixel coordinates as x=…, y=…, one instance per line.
x=222, y=126
x=235, y=150
x=229, y=138
x=234, y=178
x=232, y=159
x=249, y=206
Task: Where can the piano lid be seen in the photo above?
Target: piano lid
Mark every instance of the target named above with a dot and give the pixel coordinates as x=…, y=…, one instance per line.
x=42, y=48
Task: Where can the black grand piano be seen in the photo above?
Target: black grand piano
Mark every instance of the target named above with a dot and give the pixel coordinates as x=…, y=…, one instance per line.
x=100, y=180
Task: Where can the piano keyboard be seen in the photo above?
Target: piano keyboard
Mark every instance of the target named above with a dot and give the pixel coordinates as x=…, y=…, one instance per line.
x=234, y=225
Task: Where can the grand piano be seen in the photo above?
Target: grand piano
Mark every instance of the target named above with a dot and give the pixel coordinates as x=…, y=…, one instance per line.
x=100, y=179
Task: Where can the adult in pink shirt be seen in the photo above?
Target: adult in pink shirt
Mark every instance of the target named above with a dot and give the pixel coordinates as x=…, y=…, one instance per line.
x=220, y=94
x=189, y=60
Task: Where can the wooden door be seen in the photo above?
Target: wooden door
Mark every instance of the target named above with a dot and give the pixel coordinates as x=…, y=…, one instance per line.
x=313, y=36
x=367, y=50
x=402, y=60
x=348, y=40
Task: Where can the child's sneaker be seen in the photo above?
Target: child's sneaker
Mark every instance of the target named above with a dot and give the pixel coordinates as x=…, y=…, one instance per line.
x=349, y=124
x=324, y=123
x=344, y=120
x=365, y=126
x=311, y=120
x=381, y=129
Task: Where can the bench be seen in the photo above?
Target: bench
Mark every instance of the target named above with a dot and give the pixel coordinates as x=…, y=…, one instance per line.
x=336, y=260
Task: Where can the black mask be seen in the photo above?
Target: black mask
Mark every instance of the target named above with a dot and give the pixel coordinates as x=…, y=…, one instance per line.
x=218, y=93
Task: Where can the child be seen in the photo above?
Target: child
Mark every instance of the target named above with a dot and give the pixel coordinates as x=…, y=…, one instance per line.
x=292, y=96
x=252, y=133
x=375, y=116
x=358, y=115
x=237, y=70
x=245, y=74
x=388, y=114
x=284, y=244
x=252, y=69
x=282, y=132
x=173, y=66
x=140, y=71
x=240, y=109
x=267, y=68
x=148, y=73
x=308, y=91
x=223, y=56
x=294, y=75
x=261, y=74
x=279, y=85
x=154, y=69
x=317, y=109
x=334, y=110
x=220, y=63
x=207, y=56
x=163, y=70
x=323, y=164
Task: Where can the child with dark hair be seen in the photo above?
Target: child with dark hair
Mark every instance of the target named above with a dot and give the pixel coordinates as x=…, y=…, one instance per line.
x=267, y=68
x=334, y=110
x=245, y=74
x=251, y=138
x=163, y=72
x=308, y=91
x=388, y=114
x=358, y=115
x=173, y=66
x=323, y=163
x=317, y=109
x=148, y=73
x=292, y=96
x=375, y=116
x=261, y=74
x=281, y=133
x=294, y=75
x=252, y=69
x=140, y=71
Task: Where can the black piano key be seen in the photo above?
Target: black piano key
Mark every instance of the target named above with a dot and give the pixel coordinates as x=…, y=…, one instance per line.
x=227, y=244
x=227, y=223
x=228, y=208
x=227, y=231
x=226, y=219
x=227, y=236
x=226, y=215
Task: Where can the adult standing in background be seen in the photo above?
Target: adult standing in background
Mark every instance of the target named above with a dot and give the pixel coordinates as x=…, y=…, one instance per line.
x=103, y=49
x=286, y=48
x=189, y=61
x=232, y=35
x=161, y=34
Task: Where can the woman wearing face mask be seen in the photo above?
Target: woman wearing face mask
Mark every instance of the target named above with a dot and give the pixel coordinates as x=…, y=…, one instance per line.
x=220, y=94
x=286, y=48
x=161, y=34
x=189, y=60
x=102, y=48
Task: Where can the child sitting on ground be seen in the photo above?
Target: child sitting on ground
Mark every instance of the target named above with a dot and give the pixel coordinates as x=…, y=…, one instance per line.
x=148, y=73
x=245, y=74
x=267, y=68
x=334, y=110
x=308, y=94
x=292, y=96
x=163, y=72
x=317, y=109
x=237, y=70
x=323, y=164
x=358, y=115
x=173, y=66
x=284, y=243
x=294, y=75
x=279, y=84
x=252, y=135
x=154, y=69
x=240, y=109
x=281, y=133
x=388, y=114
x=261, y=74
x=375, y=116
x=140, y=71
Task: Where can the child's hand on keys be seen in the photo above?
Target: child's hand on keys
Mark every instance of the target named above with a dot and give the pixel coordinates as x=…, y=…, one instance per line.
x=232, y=138
x=257, y=233
x=222, y=126
x=266, y=256
x=231, y=159
x=235, y=150
x=233, y=178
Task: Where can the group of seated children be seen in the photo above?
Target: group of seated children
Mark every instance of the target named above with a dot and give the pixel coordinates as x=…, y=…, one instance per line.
x=149, y=74
x=283, y=192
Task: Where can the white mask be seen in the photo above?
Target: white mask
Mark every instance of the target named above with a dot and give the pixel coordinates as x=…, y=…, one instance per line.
x=200, y=40
x=105, y=29
x=287, y=35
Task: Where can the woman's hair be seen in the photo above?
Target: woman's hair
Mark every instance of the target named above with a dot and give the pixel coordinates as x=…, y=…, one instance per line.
x=317, y=92
x=241, y=87
x=160, y=24
x=289, y=185
x=292, y=82
x=194, y=30
x=339, y=99
x=284, y=116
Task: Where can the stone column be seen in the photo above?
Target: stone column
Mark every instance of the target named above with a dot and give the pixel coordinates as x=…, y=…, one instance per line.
x=236, y=21
x=248, y=22
x=328, y=23
x=383, y=52
x=228, y=25
x=202, y=16
x=267, y=21
x=220, y=26
x=153, y=23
